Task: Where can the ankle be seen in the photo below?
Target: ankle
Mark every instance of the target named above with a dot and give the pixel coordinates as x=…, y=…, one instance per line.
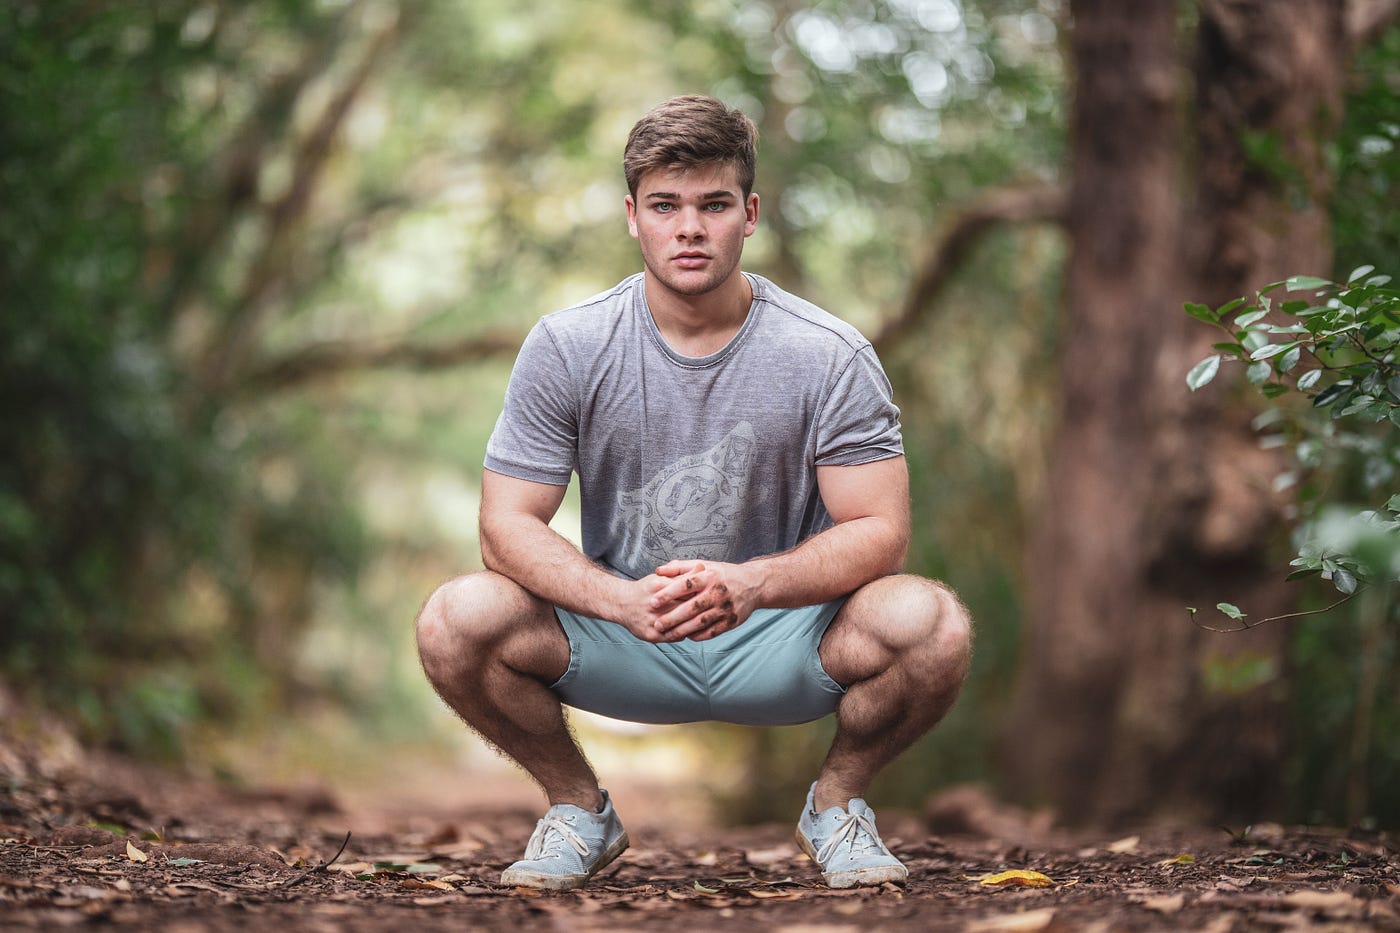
x=591, y=801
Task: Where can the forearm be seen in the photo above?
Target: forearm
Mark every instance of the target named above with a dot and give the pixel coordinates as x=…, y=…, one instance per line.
x=528, y=551
x=832, y=564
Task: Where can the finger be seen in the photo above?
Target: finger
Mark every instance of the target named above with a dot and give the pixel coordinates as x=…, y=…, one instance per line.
x=708, y=624
x=687, y=587
x=676, y=568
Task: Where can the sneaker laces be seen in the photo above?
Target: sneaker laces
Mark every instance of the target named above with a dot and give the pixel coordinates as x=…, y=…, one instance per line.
x=858, y=832
x=549, y=834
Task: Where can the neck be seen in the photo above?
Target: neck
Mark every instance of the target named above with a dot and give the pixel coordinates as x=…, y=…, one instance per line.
x=698, y=325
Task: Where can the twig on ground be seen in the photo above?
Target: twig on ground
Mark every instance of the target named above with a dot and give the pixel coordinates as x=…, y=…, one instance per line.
x=322, y=866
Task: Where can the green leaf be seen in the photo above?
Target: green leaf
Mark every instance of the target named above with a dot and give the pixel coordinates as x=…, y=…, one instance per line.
x=1393, y=387
x=1229, y=349
x=1289, y=359
x=1230, y=610
x=1259, y=373
x=1270, y=350
x=1202, y=313
x=1305, y=572
x=1229, y=306
x=1309, y=379
x=1249, y=317
x=1300, y=282
x=1344, y=580
x=1359, y=271
x=184, y=862
x=1394, y=503
x=1331, y=394
x=704, y=890
x=1203, y=372
x=1273, y=389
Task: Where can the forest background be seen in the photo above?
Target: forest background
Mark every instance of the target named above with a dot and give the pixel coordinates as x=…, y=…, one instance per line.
x=265, y=266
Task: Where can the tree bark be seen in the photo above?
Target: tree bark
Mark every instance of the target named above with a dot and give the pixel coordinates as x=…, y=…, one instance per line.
x=1158, y=499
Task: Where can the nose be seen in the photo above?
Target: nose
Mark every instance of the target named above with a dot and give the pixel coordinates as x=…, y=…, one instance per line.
x=690, y=225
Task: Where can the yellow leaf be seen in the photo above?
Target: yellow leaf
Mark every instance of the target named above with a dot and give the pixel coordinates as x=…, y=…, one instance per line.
x=133, y=853
x=1185, y=858
x=1017, y=878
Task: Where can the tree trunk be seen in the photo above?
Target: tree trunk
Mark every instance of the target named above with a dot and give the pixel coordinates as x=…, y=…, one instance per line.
x=1157, y=499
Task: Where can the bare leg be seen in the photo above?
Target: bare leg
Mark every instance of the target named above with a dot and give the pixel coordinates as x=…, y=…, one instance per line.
x=491, y=650
x=901, y=646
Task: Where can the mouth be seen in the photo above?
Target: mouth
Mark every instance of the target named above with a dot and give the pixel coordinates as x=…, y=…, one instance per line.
x=690, y=260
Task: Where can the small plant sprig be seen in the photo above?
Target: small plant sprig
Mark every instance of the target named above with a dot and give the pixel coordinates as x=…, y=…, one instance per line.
x=1336, y=346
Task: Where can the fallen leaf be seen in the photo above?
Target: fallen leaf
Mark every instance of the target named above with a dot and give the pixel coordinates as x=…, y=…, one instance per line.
x=1327, y=902
x=768, y=856
x=133, y=853
x=1026, y=921
x=416, y=884
x=1126, y=844
x=1016, y=878
x=779, y=895
x=704, y=890
x=1165, y=904
x=183, y=862
x=1185, y=858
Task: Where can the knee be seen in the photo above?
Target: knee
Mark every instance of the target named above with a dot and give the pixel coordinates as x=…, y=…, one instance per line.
x=463, y=617
x=933, y=620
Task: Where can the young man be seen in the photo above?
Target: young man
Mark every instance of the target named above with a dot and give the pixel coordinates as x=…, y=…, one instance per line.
x=745, y=518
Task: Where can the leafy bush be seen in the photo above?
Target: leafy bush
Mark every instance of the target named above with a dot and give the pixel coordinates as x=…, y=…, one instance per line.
x=1336, y=349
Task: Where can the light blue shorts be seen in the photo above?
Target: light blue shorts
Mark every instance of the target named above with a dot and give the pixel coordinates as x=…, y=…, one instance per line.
x=766, y=672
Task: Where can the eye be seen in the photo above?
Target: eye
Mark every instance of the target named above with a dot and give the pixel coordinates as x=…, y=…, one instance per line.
x=662, y=207
x=714, y=207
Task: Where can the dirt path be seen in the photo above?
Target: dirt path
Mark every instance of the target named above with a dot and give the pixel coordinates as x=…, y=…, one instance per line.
x=125, y=847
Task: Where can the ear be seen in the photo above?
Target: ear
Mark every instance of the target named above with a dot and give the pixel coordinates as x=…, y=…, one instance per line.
x=750, y=214
x=631, y=206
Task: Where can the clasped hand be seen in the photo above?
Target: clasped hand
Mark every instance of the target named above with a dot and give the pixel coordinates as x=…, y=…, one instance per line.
x=695, y=600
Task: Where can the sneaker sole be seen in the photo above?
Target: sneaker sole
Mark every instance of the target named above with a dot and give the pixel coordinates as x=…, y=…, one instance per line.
x=521, y=878
x=859, y=878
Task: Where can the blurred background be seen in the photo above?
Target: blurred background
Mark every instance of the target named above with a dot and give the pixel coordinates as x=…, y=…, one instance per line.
x=265, y=266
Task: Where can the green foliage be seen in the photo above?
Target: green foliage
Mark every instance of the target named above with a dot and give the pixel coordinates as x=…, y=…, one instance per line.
x=1336, y=349
x=1366, y=153
x=124, y=499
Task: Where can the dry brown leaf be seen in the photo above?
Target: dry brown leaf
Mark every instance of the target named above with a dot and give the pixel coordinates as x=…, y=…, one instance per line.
x=1165, y=903
x=1328, y=902
x=768, y=856
x=1126, y=844
x=133, y=853
x=1025, y=921
x=417, y=884
x=776, y=895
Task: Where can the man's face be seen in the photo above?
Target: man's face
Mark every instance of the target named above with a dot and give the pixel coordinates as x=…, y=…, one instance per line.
x=691, y=224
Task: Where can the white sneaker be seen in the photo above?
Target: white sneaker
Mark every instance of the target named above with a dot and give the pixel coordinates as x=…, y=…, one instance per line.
x=843, y=841
x=569, y=846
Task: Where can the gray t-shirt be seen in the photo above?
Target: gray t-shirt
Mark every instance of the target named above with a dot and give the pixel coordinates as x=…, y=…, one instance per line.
x=710, y=458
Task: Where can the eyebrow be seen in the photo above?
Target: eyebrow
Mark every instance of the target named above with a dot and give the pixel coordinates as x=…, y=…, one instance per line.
x=707, y=196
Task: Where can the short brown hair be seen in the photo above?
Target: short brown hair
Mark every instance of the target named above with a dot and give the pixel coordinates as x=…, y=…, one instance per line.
x=688, y=131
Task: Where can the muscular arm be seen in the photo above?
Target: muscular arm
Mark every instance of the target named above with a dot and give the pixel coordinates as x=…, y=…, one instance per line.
x=870, y=506
x=517, y=542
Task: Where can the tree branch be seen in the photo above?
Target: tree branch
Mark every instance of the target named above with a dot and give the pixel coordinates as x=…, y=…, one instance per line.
x=248, y=307
x=1021, y=204
x=1367, y=20
x=321, y=361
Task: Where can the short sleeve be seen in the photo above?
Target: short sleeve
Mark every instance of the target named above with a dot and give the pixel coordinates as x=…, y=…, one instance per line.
x=859, y=422
x=536, y=435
